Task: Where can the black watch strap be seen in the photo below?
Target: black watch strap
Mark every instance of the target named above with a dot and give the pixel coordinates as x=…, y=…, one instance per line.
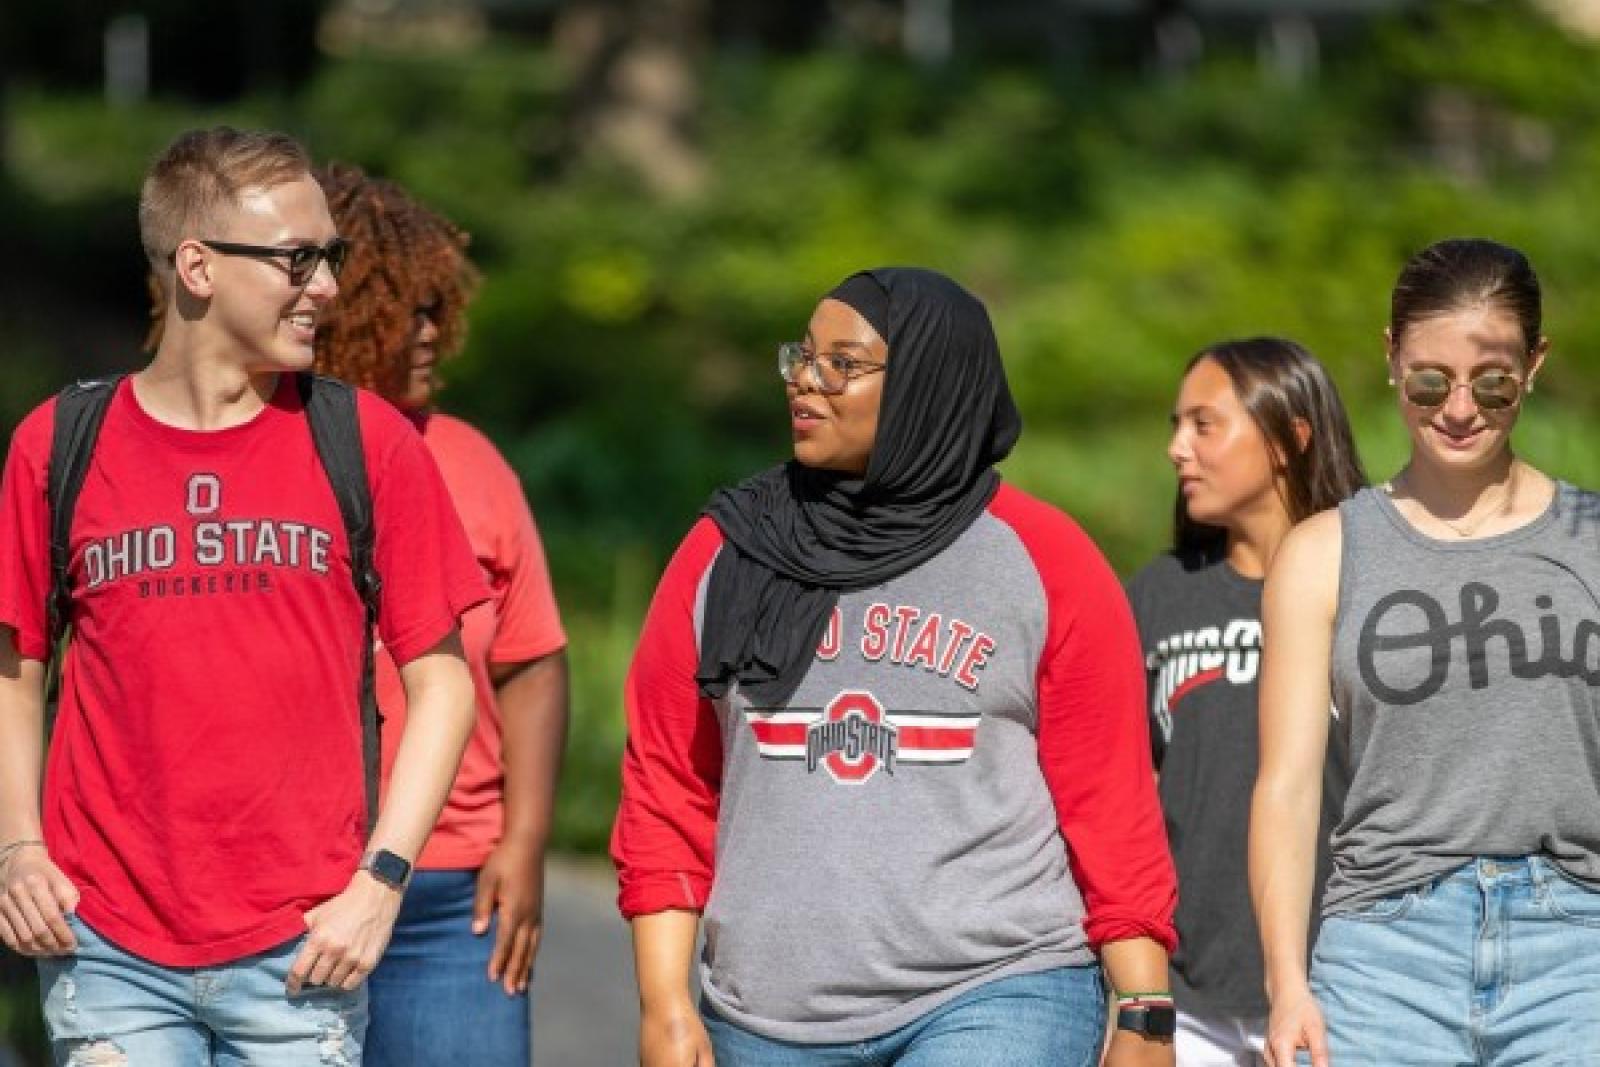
x=1151, y=1020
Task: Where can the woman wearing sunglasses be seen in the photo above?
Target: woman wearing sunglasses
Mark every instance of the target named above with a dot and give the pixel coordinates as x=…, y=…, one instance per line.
x=1259, y=442
x=885, y=733
x=1455, y=611
x=452, y=987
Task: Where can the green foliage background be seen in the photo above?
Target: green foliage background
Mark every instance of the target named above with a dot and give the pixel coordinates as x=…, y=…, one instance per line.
x=622, y=350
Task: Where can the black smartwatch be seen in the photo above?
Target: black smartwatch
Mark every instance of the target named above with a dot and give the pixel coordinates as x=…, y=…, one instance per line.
x=1149, y=1020
x=392, y=870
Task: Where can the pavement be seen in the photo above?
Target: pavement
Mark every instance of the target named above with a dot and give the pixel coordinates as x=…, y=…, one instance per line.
x=585, y=1006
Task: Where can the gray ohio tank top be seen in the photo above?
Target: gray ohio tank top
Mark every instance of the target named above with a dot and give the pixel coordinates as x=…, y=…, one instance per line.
x=1466, y=677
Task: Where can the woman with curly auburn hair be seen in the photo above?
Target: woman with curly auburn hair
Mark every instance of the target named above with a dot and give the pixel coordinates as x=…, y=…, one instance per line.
x=453, y=986
x=406, y=263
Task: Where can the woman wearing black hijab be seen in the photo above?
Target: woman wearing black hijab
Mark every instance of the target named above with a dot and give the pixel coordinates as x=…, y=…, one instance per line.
x=886, y=732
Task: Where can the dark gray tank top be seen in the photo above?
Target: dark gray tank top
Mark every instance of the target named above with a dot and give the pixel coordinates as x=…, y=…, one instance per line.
x=1466, y=678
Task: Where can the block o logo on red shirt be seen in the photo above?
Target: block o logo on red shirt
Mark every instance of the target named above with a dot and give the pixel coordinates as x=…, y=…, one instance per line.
x=204, y=494
x=852, y=739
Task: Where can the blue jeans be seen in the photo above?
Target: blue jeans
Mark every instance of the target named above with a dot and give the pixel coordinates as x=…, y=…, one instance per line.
x=432, y=1001
x=1495, y=963
x=1050, y=1019
x=100, y=1002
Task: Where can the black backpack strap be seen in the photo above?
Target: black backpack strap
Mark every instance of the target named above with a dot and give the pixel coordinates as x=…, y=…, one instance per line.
x=335, y=427
x=80, y=411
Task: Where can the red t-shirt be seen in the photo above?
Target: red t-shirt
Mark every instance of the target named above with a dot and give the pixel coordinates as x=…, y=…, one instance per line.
x=518, y=623
x=204, y=785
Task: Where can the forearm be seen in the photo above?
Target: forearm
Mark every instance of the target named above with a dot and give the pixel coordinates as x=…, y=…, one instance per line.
x=34, y=894
x=533, y=724
x=21, y=743
x=1297, y=613
x=1135, y=965
x=1283, y=830
x=439, y=716
x=663, y=952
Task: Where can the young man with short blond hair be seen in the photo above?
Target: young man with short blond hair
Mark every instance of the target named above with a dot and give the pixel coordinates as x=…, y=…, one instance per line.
x=200, y=883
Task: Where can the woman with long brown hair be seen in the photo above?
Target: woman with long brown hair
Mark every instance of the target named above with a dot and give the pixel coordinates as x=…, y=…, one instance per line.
x=1259, y=442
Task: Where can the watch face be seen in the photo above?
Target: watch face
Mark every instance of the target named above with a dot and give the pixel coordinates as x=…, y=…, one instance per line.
x=1163, y=1022
x=1150, y=1020
x=388, y=868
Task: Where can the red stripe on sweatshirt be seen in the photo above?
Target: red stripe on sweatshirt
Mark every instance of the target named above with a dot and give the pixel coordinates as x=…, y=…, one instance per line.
x=936, y=737
x=779, y=733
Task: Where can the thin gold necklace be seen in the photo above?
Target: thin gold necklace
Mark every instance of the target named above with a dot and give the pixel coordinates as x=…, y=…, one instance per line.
x=1467, y=530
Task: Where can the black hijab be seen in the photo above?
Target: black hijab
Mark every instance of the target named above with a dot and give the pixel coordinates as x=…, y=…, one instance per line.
x=796, y=537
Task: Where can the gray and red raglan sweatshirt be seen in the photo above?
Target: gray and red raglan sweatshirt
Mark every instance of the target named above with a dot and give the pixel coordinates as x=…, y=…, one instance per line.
x=960, y=790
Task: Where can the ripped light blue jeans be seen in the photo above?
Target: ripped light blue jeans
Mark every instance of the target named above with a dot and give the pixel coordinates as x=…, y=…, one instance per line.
x=105, y=1008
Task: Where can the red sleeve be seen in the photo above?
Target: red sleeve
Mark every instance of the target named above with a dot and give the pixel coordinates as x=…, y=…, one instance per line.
x=25, y=534
x=430, y=575
x=665, y=835
x=1094, y=739
x=529, y=623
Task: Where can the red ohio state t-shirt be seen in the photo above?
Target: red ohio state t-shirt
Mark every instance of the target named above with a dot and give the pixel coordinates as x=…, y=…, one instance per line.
x=204, y=785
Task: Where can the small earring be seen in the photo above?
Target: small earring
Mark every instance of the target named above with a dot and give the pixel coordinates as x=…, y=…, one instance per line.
x=1391, y=381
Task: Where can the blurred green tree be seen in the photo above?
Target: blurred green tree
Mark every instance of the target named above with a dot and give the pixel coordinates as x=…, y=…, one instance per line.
x=622, y=350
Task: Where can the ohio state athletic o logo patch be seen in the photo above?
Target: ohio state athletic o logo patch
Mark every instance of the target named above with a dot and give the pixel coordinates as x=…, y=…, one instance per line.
x=852, y=739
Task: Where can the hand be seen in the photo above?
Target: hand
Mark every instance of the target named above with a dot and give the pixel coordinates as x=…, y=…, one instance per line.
x=1296, y=1023
x=511, y=886
x=1128, y=1049
x=346, y=936
x=35, y=898
x=674, y=1037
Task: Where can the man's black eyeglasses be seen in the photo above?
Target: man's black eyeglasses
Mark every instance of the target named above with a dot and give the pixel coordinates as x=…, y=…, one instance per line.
x=302, y=259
